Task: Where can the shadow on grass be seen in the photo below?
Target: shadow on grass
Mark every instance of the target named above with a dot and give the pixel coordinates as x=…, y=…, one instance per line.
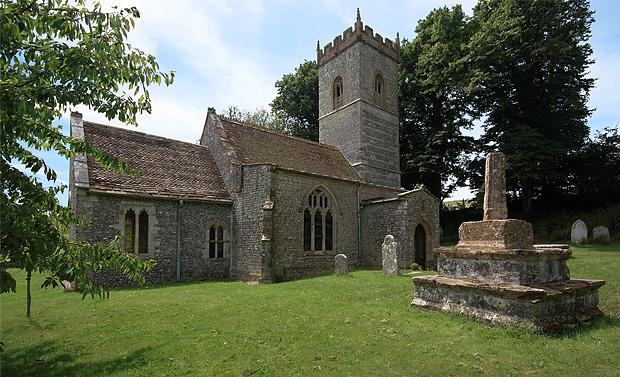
x=44, y=359
x=605, y=322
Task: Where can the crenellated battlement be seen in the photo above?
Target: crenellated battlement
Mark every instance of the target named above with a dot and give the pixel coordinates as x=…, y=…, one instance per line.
x=359, y=32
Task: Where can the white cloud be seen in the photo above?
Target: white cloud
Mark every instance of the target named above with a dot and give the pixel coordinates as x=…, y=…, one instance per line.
x=209, y=45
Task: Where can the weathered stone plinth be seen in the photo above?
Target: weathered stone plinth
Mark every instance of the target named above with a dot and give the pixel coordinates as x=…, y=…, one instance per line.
x=496, y=274
x=542, y=307
x=495, y=235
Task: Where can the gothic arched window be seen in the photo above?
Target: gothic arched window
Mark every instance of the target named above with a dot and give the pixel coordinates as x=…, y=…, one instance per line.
x=130, y=231
x=379, y=90
x=338, y=92
x=318, y=222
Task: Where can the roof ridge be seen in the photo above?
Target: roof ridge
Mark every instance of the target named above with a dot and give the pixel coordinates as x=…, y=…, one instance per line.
x=277, y=133
x=143, y=134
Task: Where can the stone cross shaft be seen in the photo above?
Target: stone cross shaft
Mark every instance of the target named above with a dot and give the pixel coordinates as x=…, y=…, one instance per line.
x=495, y=187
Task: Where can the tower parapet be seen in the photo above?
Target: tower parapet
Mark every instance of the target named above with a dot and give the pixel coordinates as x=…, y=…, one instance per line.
x=359, y=32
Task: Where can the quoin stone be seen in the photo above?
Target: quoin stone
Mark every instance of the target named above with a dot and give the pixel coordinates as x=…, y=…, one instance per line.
x=390, y=256
x=579, y=232
x=495, y=187
x=341, y=266
x=600, y=233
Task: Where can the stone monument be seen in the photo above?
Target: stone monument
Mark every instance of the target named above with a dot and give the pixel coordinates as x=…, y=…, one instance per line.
x=601, y=233
x=341, y=267
x=496, y=274
x=389, y=252
x=579, y=232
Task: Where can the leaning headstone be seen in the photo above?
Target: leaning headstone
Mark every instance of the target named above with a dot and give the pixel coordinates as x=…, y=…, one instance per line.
x=68, y=286
x=579, y=232
x=341, y=267
x=601, y=234
x=389, y=252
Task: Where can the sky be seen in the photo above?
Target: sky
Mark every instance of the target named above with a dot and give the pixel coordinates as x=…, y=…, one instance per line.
x=231, y=52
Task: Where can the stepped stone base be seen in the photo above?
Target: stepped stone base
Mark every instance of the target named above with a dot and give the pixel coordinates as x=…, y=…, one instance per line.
x=515, y=266
x=542, y=307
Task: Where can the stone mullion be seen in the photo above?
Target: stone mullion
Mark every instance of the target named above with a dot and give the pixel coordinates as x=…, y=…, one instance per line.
x=323, y=229
x=312, y=217
x=136, y=240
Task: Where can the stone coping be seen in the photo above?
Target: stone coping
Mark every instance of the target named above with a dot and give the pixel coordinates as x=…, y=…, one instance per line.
x=532, y=293
x=462, y=252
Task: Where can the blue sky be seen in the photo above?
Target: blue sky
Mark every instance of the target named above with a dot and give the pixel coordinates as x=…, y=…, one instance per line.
x=232, y=52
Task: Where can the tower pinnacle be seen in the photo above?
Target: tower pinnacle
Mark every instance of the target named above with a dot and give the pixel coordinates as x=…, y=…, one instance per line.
x=359, y=18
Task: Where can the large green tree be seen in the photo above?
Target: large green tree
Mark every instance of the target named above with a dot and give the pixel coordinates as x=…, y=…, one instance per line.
x=530, y=62
x=297, y=101
x=57, y=54
x=434, y=106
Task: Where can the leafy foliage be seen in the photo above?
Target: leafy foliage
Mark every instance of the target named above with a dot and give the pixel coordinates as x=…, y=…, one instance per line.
x=58, y=54
x=260, y=117
x=434, y=106
x=297, y=101
x=529, y=75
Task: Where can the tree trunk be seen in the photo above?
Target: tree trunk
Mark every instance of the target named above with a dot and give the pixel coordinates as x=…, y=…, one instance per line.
x=28, y=297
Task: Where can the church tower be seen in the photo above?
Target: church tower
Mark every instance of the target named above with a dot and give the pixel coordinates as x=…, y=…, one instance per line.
x=358, y=102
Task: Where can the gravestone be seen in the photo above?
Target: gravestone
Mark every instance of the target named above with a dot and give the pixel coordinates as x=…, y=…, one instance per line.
x=389, y=252
x=600, y=233
x=68, y=286
x=579, y=232
x=341, y=266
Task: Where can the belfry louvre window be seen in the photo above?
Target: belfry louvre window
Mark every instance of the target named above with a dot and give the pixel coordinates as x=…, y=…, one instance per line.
x=216, y=242
x=379, y=90
x=318, y=222
x=338, y=92
x=136, y=238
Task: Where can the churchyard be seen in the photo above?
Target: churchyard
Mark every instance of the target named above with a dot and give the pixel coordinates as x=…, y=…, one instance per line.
x=359, y=324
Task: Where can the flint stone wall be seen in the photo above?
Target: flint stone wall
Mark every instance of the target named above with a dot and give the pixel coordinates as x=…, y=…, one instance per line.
x=104, y=214
x=290, y=192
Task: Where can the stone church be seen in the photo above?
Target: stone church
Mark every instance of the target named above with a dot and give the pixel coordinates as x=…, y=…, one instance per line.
x=251, y=204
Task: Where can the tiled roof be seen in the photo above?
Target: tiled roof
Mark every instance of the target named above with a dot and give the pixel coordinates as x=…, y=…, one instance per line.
x=254, y=145
x=169, y=168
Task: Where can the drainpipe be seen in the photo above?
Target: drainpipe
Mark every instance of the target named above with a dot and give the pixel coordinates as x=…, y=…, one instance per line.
x=359, y=227
x=179, y=204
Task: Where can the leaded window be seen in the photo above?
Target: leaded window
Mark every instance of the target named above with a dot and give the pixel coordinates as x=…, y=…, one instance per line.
x=318, y=222
x=136, y=237
x=216, y=242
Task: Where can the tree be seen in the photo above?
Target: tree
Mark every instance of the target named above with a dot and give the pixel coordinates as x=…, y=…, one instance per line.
x=434, y=106
x=260, y=117
x=529, y=76
x=297, y=101
x=57, y=54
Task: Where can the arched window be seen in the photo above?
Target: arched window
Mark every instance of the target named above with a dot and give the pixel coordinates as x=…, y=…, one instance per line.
x=379, y=90
x=216, y=242
x=338, y=92
x=143, y=232
x=130, y=231
x=318, y=222
x=136, y=238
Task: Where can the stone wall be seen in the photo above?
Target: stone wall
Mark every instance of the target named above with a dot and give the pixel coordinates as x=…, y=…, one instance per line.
x=248, y=216
x=104, y=215
x=400, y=217
x=291, y=190
x=365, y=128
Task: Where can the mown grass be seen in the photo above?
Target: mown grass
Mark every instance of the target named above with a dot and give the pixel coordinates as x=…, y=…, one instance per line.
x=356, y=325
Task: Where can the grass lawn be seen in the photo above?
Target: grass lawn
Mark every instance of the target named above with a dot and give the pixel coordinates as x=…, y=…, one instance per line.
x=356, y=325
